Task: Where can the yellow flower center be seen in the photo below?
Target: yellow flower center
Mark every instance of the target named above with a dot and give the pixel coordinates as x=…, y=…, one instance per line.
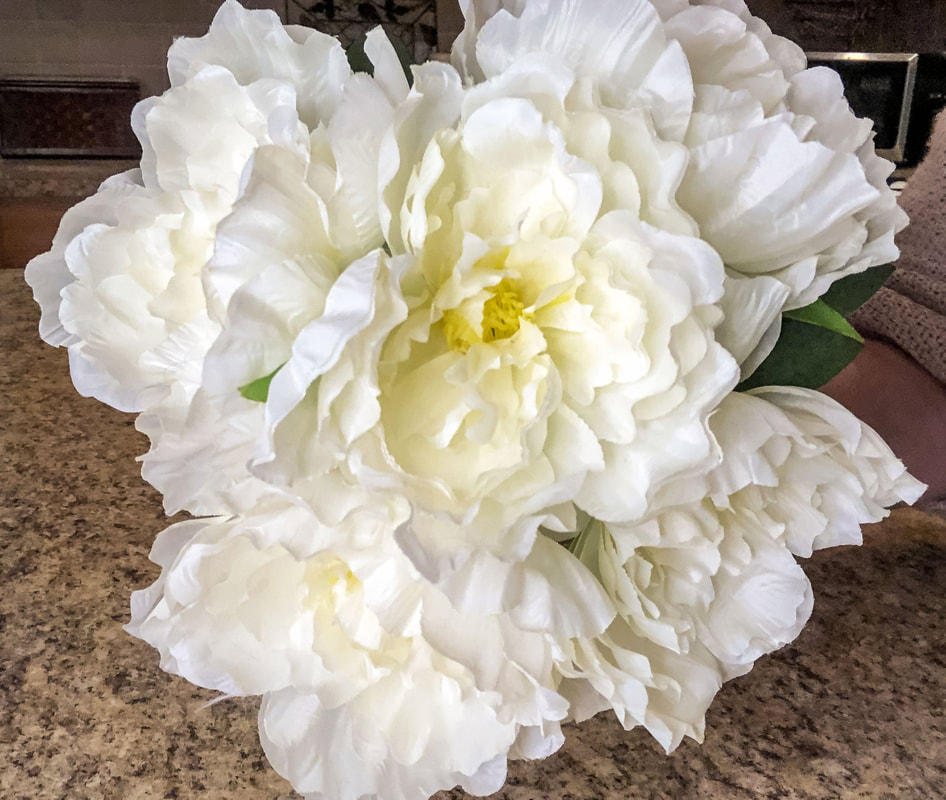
x=328, y=579
x=501, y=312
x=458, y=332
x=502, y=315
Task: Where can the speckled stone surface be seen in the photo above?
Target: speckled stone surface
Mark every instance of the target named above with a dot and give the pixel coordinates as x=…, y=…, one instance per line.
x=856, y=708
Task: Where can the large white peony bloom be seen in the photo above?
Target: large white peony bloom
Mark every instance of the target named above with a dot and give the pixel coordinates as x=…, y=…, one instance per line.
x=127, y=286
x=200, y=449
x=808, y=463
x=782, y=179
x=479, y=315
x=121, y=287
x=541, y=332
x=372, y=683
x=705, y=588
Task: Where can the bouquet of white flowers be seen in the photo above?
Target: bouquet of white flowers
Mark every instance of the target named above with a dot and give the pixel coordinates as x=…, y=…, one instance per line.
x=491, y=387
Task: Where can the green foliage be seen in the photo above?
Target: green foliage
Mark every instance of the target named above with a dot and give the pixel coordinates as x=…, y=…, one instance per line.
x=359, y=62
x=850, y=293
x=816, y=343
x=586, y=546
x=822, y=315
x=258, y=390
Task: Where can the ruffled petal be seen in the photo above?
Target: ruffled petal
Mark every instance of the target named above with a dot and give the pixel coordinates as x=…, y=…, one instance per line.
x=621, y=45
x=255, y=44
x=752, y=307
x=755, y=100
x=391, y=740
x=48, y=274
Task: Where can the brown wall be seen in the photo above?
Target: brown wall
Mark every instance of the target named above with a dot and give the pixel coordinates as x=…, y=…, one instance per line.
x=449, y=24
x=129, y=38
x=913, y=26
x=870, y=25
x=101, y=38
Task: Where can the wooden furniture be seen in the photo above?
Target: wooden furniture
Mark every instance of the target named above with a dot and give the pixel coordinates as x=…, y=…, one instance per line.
x=27, y=227
x=69, y=117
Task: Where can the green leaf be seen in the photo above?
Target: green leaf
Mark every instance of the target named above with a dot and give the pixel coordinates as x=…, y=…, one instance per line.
x=807, y=354
x=258, y=390
x=822, y=315
x=850, y=293
x=586, y=546
x=359, y=62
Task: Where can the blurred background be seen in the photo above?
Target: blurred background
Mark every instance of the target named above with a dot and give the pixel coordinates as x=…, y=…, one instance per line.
x=71, y=70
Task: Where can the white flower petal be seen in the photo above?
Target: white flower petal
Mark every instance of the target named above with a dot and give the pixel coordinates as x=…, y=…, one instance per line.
x=278, y=214
x=832, y=213
x=756, y=610
x=393, y=740
x=387, y=66
x=213, y=102
x=855, y=480
x=349, y=307
x=619, y=44
x=752, y=307
x=764, y=200
x=200, y=452
x=432, y=105
x=255, y=44
x=355, y=133
x=48, y=274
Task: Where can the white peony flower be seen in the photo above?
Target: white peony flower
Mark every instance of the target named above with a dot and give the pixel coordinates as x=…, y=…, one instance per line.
x=807, y=462
x=200, y=451
x=124, y=275
x=533, y=339
x=478, y=316
x=782, y=179
x=127, y=286
x=112, y=294
x=705, y=588
x=122, y=285
x=373, y=684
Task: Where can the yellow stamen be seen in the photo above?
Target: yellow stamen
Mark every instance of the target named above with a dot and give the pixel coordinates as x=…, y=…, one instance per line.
x=458, y=332
x=502, y=312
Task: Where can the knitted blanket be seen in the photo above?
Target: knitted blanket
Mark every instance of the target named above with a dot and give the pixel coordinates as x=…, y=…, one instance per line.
x=910, y=310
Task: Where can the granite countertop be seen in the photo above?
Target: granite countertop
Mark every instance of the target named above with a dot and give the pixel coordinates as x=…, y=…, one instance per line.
x=853, y=709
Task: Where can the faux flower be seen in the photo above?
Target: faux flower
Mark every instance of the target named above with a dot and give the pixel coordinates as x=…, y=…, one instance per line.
x=531, y=338
x=398, y=341
x=372, y=683
x=808, y=463
x=706, y=587
x=786, y=233
x=781, y=178
x=121, y=287
x=200, y=450
x=127, y=286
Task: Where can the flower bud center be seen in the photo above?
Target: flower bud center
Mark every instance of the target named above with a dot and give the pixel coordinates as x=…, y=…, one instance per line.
x=502, y=313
